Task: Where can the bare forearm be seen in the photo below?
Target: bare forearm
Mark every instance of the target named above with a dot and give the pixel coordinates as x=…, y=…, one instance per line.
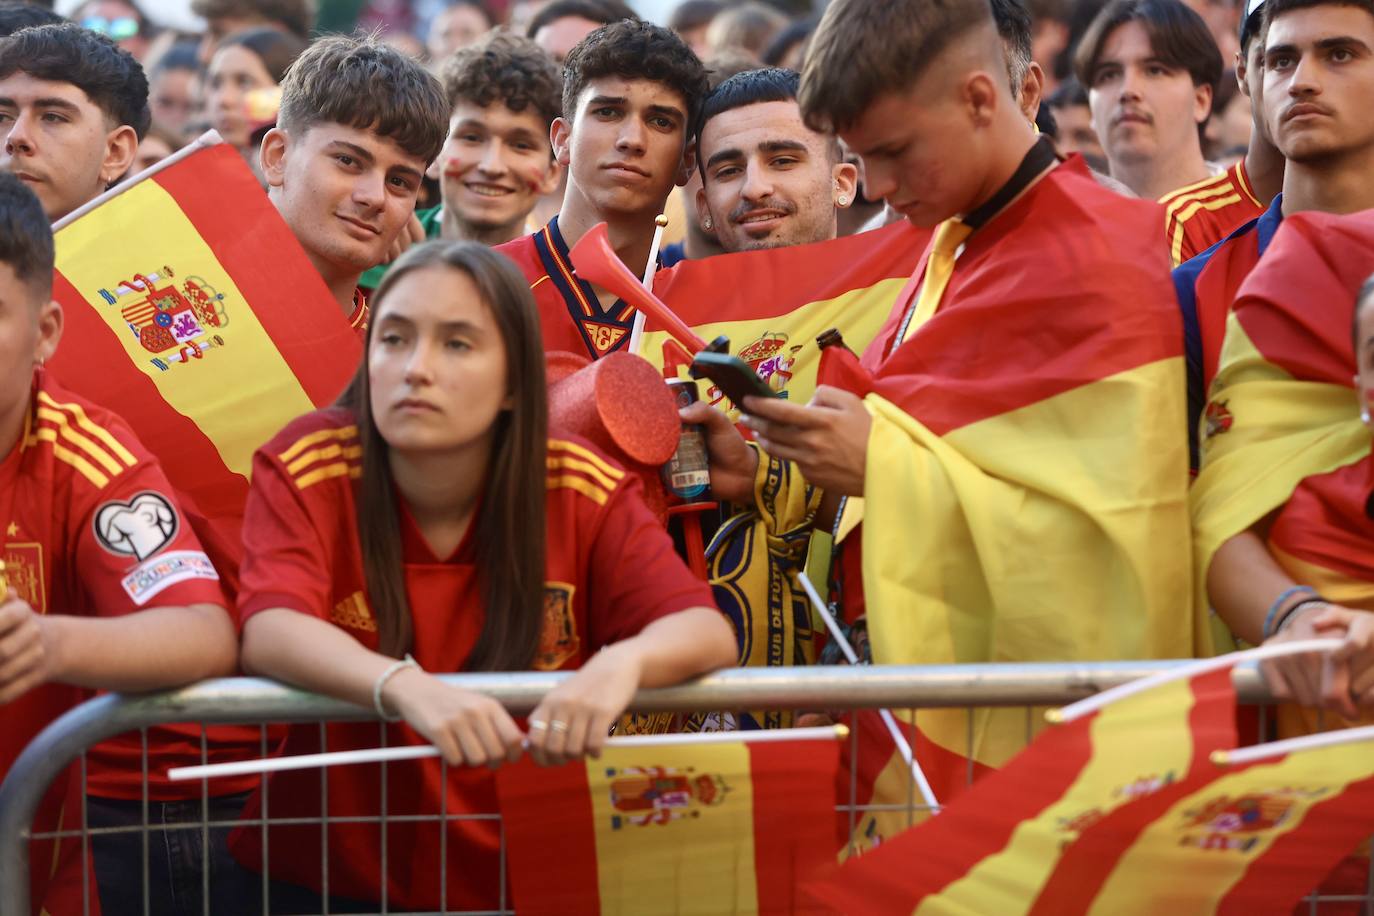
x=1243, y=582
x=682, y=645
x=149, y=650
x=312, y=654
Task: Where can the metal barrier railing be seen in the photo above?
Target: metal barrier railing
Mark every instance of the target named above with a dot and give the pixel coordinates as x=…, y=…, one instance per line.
x=260, y=702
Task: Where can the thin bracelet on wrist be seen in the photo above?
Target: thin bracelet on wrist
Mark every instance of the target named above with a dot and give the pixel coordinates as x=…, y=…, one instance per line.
x=1271, y=618
x=392, y=670
x=1291, y=614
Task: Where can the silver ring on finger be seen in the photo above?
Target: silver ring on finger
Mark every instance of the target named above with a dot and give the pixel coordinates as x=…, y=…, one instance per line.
x=557, y=726
x=538, y=725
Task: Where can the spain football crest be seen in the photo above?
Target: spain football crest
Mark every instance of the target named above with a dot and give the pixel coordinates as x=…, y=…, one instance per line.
x=558, y=640
x=661, y=795
x=175, y=323
x=24, y=573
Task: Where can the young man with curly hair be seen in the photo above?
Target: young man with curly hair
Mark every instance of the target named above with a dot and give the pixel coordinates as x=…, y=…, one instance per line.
x=503, y=94
x=632, y=95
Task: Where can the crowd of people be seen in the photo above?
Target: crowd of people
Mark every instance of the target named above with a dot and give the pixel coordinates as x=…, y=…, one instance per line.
x=1120, y=411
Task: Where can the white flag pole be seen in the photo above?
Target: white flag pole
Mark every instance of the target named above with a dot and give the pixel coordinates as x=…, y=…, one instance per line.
x=903, y=747
x=650, y=268
x=417, y=751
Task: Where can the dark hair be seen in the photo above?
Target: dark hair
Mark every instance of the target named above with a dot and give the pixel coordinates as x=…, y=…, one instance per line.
x=752, y=87
x=602, y=11
x=504, y=68
x=276, y=49
x=797, y=33
x=863, y=50
x=720, y=67
x=1068, y=93
x=67, y=53
x=25, y=236
x=1178, y=37
x=363, y=83
x=509, y=533
x=636, y=50
x=17, y=14
x=693, y=14
x=1014, y=26
x=180, y=56
x=1273, y=9
x=296, y=16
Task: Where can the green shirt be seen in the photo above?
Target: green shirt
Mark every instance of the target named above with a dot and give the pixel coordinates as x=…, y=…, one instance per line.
x=431, y=219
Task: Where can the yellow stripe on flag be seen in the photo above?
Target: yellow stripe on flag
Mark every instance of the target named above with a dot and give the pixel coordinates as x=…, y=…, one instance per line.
x=1202, y=843
x=998, y=883
x=788, y=356
x=710, y=845
x=94, y=253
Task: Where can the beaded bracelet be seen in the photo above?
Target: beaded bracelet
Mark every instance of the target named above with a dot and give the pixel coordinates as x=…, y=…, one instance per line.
x=1278, y=605
x=385, y=676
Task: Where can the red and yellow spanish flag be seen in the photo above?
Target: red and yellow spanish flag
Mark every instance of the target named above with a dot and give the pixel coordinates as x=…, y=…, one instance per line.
x=1025, y=495
x=997, y=847
x=773, y=303
x=721, y=827
x=193, y=313
x=1282, y=428
x=1251, y=838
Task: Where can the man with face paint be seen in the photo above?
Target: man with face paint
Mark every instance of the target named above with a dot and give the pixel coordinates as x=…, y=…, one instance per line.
x=497, y=161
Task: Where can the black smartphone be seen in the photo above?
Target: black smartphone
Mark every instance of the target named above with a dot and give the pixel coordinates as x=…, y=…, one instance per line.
x=732, y=375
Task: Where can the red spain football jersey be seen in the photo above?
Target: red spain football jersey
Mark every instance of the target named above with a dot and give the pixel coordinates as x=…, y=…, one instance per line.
x=91, y=529
x=1200, y=215
x=610, y=571
x=570, y=316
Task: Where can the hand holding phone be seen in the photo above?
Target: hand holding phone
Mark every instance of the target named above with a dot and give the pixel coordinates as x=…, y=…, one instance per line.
x=731, y=375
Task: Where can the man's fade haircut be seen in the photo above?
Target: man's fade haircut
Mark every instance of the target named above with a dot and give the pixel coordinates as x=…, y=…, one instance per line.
x=636, y=50
x=1013, y=20
x=20, y=14
x=505, y=68
x=602, y=11
x=25, y=237
x=296, y=16
x=365, y=84
x=1179, y=38
x=1272, y=9
x=67, y=53
x=863, y=50
x=753, y=87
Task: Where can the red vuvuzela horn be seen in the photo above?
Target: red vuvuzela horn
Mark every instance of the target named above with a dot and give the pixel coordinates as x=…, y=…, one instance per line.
x=596, y=262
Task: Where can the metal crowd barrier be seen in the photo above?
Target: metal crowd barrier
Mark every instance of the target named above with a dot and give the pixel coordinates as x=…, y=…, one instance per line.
x=258, y=702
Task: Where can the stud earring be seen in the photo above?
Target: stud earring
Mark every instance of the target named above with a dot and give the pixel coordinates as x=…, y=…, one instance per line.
x=707, y=225
x=843, y=200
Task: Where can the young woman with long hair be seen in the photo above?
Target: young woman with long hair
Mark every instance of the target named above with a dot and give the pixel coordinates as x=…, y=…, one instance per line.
x=431, y=514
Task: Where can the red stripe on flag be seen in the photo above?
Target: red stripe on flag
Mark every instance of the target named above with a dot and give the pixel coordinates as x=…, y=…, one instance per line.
x=1085, y=866
x=269, y=268
x=950, y=845
x=1298, y=860
x=793, y=786
x=538, y=804
x=126, y=390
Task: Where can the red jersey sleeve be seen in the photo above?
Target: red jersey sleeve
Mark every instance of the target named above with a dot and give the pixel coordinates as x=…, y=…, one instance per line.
x=135, y=548
x=284, y=561
x=637, y=576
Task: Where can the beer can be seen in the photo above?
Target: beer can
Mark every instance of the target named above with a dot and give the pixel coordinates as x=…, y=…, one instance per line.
x=687, y=475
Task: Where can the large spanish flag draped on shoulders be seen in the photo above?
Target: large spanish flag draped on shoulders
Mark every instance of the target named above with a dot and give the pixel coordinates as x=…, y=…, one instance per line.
x=728, y=827
x=1027, y=470
x=193, y=313
x=1282, y=427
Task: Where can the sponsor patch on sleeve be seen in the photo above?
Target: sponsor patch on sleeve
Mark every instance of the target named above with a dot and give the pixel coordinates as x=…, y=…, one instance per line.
x=150, y=578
